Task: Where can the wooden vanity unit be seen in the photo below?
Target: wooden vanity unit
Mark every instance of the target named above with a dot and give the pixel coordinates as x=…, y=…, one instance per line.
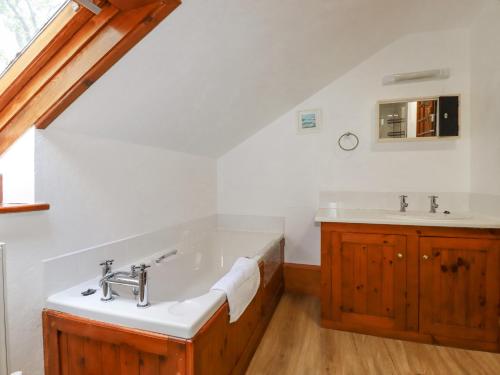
x=80, y=346
x=429, y=284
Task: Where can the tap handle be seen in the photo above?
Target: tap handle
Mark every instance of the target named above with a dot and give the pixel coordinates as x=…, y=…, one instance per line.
x=434, y=200
x=141, y=268
x=106, y=266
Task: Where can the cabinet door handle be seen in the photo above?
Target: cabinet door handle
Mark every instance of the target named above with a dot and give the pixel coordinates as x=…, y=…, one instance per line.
x=399, y=255
x=425, y=257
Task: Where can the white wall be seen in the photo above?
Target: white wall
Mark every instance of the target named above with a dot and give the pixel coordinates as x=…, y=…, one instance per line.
x=485, y=57
x=277, y=172
x=17, y=165
x=118, y=187
x=99, y=191
x=215, y=72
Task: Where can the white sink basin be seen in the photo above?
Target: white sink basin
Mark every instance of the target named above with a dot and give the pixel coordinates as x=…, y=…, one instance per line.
x=427, y=216
x=419, y=218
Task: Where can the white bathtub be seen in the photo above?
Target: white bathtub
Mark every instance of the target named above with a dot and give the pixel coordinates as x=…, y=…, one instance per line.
x=179, y=287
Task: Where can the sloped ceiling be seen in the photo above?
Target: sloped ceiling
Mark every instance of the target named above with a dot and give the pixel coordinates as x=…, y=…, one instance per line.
x=215, y=72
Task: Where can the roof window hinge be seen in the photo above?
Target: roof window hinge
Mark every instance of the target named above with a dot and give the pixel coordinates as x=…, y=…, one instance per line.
x=89, y=5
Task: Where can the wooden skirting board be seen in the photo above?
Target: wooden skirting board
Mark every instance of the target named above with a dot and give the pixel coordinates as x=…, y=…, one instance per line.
x=302, y=278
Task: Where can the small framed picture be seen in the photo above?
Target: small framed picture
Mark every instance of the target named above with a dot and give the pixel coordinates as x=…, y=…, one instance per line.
x=309, y=121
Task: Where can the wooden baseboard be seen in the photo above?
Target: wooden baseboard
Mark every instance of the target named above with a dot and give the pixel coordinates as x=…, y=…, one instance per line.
x=302, y=278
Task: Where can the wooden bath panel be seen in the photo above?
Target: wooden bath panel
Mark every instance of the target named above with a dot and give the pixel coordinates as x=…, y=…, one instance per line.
x=80, y=346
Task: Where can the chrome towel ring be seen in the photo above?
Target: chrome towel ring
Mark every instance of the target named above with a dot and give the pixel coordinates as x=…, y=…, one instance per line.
x=347, y=135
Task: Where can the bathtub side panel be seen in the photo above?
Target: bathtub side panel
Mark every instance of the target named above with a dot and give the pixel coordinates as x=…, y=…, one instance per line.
x=221, y=348
x=75, y=345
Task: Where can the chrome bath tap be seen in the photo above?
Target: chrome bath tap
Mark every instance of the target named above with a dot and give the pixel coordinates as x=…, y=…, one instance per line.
x=107, y=292
x=137, y=279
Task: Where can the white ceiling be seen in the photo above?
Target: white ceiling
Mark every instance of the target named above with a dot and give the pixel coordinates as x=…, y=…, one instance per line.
x=215, y=72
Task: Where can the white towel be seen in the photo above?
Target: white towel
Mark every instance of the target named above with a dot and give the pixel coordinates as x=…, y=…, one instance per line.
x=240, y=284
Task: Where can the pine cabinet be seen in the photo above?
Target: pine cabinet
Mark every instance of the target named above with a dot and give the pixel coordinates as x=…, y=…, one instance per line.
x=369, y=279
x=459, y=288
x=429, y=284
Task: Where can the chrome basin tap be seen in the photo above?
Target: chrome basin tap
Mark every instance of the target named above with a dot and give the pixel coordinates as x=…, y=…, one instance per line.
x=434, y=205
x=402, y=203
x=137, y=279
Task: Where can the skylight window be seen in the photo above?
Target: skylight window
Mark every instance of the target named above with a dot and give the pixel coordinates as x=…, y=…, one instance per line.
x=51, y=51
x=20, y=23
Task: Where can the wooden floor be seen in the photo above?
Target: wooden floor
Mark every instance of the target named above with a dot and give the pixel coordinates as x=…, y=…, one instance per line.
x=295, y=344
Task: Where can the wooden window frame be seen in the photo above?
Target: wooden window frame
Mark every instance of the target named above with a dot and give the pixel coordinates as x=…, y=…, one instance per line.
x=68, y=56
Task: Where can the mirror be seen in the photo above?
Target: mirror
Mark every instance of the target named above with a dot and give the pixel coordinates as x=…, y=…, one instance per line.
x=419, y=118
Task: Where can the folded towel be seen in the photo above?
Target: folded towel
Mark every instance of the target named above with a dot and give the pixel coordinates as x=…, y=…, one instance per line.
x=240, y=284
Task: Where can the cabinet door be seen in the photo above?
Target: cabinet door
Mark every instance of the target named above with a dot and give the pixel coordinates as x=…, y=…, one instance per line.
x=459, y=292
x=369, y=280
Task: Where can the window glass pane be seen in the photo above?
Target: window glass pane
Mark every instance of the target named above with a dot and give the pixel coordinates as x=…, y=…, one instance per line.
x=17, y=166
x=20, y=22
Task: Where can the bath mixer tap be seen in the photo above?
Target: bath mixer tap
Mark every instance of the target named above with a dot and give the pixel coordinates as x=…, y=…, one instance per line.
x=434, y=204
x=402, y=203
x=137, y=279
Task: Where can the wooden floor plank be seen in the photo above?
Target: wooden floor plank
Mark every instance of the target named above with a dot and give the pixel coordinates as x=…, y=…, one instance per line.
x=295, y=344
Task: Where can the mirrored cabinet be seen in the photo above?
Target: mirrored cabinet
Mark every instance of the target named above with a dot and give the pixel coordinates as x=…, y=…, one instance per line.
x=419, y=118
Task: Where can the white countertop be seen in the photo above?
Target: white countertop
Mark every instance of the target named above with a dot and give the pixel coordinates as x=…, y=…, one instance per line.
x=439, y=219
